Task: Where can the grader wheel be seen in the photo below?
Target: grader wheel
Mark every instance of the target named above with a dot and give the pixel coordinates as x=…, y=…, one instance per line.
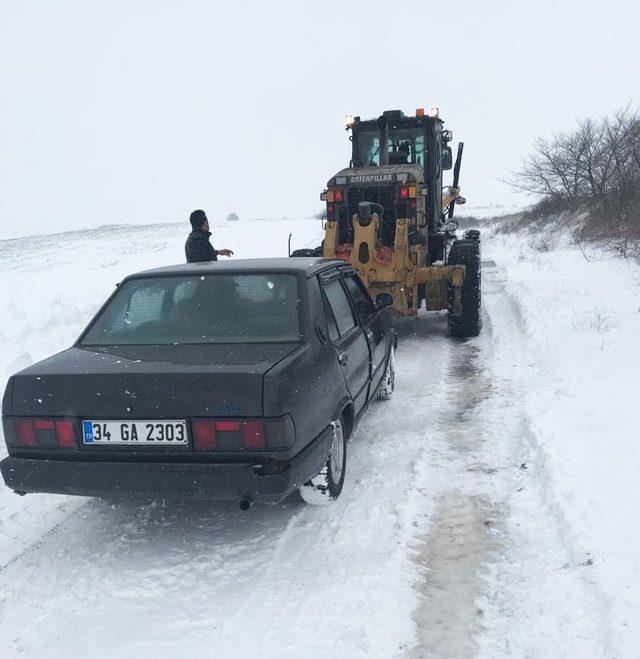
x=469, y=322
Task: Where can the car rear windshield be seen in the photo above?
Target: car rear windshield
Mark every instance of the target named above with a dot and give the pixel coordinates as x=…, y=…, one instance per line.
x=219, y=308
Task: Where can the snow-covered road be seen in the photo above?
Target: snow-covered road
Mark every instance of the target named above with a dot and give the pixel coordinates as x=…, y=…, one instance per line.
x=447, y=540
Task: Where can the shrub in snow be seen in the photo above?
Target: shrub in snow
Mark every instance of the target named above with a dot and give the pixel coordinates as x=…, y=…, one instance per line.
x=593, y=170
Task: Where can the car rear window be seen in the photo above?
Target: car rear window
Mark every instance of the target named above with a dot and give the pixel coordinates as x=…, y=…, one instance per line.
x=220, y=308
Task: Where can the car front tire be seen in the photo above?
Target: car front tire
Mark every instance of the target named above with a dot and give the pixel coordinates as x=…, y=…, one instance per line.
x=325, y=487
x=388, y=382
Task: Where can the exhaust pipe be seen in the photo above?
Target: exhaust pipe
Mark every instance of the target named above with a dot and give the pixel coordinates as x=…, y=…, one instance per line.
x=245, y=504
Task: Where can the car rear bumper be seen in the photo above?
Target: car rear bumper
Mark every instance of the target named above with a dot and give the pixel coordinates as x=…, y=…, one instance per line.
x=268, y=483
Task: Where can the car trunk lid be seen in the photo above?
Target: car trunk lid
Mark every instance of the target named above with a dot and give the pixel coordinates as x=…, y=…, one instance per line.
x=148, y=382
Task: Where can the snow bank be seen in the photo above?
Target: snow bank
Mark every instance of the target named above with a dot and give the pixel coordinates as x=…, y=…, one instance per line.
x=581, y=311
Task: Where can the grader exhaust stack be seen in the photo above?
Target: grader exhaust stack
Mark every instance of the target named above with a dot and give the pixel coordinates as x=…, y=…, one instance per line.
x=456, y=179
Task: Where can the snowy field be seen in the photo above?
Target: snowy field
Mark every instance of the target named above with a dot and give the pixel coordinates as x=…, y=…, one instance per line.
x=489, y=508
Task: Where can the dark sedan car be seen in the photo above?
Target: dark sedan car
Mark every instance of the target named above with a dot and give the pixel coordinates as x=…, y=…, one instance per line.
x=234, y=381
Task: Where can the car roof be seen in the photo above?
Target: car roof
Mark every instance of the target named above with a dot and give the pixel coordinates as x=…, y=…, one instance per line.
x=296, y=265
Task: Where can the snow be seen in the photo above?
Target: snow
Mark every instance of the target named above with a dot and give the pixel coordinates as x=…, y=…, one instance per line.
x=581, y=317
x=486, y=212
x=488, y=509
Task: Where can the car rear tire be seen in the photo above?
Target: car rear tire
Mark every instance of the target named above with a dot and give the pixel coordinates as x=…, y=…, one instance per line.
x=387, y=385
x=325, y=487
x=469, y=323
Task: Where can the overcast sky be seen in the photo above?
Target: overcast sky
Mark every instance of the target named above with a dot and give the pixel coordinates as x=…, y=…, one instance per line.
x=140, y=111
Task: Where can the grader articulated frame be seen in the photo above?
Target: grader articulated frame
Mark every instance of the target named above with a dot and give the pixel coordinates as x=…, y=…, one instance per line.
x=397, y=271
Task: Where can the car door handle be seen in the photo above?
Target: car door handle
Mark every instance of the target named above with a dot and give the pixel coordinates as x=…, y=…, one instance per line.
x=321, y=335
x=343, y=358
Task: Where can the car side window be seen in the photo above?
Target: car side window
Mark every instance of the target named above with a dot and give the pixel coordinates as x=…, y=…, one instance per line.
x=364, y=305
x=334, y=333
x=340, y=306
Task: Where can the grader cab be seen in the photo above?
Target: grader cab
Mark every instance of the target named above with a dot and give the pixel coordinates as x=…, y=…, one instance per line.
x=388, y=215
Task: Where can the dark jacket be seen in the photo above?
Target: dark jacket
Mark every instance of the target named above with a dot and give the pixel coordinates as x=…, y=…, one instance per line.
x=198, y=248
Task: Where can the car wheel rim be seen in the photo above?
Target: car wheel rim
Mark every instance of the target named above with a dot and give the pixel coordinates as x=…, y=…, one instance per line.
x=336, y=455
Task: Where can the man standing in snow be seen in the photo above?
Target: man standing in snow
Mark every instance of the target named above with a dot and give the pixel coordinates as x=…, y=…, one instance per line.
x=198, y=248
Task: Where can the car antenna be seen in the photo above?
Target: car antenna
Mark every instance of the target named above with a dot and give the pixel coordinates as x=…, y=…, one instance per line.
x=289, y=245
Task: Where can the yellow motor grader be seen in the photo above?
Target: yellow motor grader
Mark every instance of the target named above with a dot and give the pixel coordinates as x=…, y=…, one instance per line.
x=389, y=216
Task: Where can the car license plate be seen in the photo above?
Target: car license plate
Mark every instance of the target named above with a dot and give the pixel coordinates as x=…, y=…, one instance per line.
x=135, y=433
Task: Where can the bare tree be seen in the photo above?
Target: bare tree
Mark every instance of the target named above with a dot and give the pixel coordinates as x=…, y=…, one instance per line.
x=596, y=167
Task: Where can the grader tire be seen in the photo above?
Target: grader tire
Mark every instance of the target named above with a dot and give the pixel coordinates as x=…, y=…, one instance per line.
x=469, y=323
x=472, y=234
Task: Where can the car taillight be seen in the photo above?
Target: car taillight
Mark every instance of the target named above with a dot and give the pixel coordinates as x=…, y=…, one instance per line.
x=241, y=434
x=253, y=435
x=65, y=434
x=43, y=424
x=25, y=432
x=404, y=192
x=338, y=195
x=228, y=426
x=45, y=433
x=204, y=431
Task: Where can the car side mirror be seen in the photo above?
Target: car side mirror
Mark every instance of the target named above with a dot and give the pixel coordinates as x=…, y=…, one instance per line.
x=383, y=300
x=447, y=157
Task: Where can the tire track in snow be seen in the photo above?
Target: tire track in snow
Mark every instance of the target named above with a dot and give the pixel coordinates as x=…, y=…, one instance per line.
x=540, y=600
x=460, y=541
x=499, y=574
x=25, y=526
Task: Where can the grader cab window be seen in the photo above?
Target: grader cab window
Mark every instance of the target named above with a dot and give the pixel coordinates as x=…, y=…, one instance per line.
x=406, y=145
x=368, y=148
